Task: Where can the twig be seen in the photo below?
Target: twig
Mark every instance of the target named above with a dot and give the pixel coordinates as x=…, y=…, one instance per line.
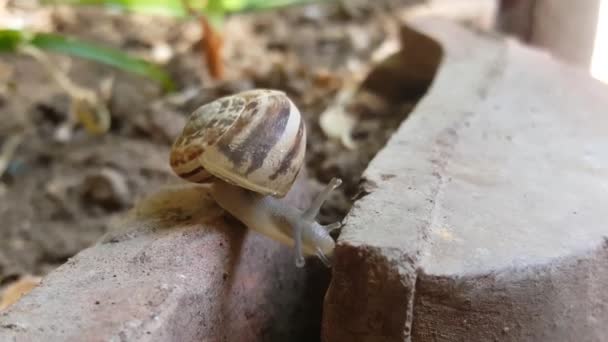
x=8, y=150
x=62, y=80
x=211, y=44
x=86, y=106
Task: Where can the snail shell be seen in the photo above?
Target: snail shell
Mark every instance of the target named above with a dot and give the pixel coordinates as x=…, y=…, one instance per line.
x=254, y=139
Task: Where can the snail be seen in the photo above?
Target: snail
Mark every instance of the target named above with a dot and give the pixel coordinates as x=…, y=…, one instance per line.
x=250, y=146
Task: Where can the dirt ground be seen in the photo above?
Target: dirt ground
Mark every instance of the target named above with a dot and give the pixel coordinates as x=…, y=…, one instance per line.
x=61, y=187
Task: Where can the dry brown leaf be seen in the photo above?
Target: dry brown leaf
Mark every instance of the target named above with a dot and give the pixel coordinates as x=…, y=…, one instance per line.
x=336, y=122
x=92, y=114
x=211, y=45
x=18, y=289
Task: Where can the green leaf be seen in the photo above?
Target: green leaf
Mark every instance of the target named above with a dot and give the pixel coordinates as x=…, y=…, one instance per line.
x=154, y=7
x=176, y=8
x=216, y=20
x=11, y=39
x=259, y=5
x=238, y=6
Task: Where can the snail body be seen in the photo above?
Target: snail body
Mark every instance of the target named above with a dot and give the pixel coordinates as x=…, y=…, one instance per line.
x=251, y=147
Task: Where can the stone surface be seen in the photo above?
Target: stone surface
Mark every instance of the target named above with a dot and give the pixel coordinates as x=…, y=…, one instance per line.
x=176, y=270
x=481, y=14
x=515, y=18
x=485, y=213
x=566, y=28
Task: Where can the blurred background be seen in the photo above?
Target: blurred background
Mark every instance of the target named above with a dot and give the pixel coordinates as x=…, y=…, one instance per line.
x=93, y=93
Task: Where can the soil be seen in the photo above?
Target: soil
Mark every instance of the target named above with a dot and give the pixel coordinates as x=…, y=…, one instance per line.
x=62, y=187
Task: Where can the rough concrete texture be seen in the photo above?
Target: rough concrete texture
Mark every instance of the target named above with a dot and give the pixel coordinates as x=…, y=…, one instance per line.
x=176, y=270
x=485, y=213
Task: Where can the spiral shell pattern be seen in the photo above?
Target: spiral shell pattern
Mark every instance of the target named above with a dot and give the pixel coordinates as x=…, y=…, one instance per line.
x=255, y=139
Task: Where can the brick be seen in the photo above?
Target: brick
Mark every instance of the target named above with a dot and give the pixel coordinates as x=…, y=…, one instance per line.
x=176, y=269
x=484, y=218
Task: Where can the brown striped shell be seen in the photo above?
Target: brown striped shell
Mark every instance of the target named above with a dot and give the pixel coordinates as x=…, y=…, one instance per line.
x=254, y=139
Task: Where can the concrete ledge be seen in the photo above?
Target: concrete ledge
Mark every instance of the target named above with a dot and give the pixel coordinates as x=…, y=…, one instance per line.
x=560, y=301
x=175, y=270
x=485, y=214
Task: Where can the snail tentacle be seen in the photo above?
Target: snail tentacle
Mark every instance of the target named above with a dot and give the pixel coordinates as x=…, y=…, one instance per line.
x=332, y=226
x=317, y=203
